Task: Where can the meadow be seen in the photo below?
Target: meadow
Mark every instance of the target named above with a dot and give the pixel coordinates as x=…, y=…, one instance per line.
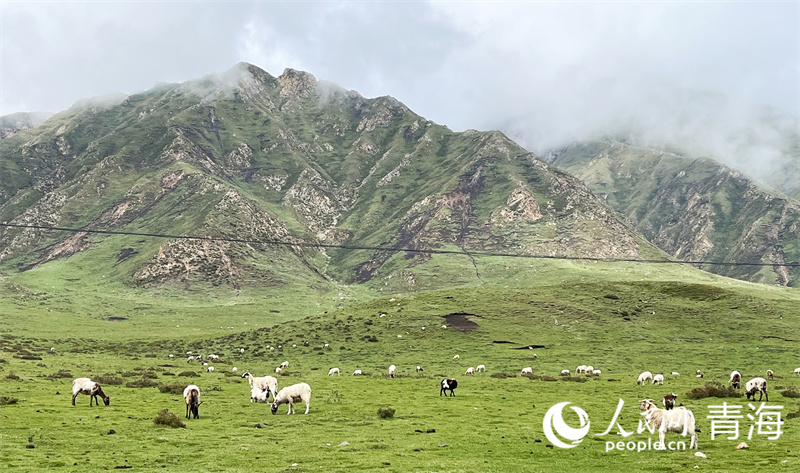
x=620, y=324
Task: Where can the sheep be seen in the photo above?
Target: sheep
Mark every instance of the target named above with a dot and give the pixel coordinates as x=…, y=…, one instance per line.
x=205, y=364
x=278, y=371
x=658, y=379
x=644, y=377
x=580, y=369
x=470, y=370
x=171, y=356
x=392, y=371
x=213, y=357
x=448, y=384
x=284, y=365
x=264, y=383
x=480, y=368
x=770, y=374
x=588, y=370
x=756, y=385
x=526, y=370
x=669, y=400
x=258, y=394
x=357, y=373
x=675, y=373
x=290, y=395
x=680, y=420
x=597, y=372
x=210, y=369
x=456, y=357
x=190, y=359
x=698, y=374
x=797, y=371
x=419, y=369
x=333, y=371
x=565, y=372
x=235, y=370
x=736, y=379
x=90, y=388
x=241, y=350
x=192, y=397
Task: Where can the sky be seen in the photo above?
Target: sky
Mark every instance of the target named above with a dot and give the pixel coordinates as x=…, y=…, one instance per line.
x=722, y=78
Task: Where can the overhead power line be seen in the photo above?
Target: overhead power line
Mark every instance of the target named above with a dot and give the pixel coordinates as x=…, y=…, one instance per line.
x=390, y=248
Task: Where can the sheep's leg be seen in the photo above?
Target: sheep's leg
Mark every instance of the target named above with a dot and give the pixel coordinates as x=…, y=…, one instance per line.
x=307, y=406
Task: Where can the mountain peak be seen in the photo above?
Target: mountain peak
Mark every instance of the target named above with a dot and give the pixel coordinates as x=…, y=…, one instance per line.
x=296, y=84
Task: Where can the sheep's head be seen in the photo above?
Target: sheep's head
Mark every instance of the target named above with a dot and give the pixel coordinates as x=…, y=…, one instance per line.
x=274, y=408
x=106, y=400
x=647, y=404
x=246, y=374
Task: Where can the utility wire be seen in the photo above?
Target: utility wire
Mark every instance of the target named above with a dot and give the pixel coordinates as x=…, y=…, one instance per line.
x=391, y=248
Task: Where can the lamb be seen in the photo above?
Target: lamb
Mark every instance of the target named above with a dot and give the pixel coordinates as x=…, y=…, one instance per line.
x=680, y=420
x=669, y=400
x=658, y=379
x=736, y=379
x=290, y=395
x=526, y=370
x=756, y=385
x=90, y=388
x=357, y=373
x=770, y=374
x=234, y=370
x=392, y=371
x=333, y=371
x=210, y=369
x=470, y=370
x=597, y=372
x=448, y=384
x=278, y=371
x=456, y=357
x=644, y=377
x=480, y=368
x=192, y=397
x=284, y=365
x=565, y=372
x=264, y=383
x=257, y=394
x=419, y=369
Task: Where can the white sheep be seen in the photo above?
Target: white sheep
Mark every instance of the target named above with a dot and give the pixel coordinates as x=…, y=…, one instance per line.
x=257, y=394
x=797, y=371
x=644, y=377
x=770, y=374
x=470, y=370
x=357, y=373
x=333, y=371
x=291, y=394
x=419, y=369
x=526, y=370
x=589, y=369
x=192, y=397
x=284, y=365
x=210, y=369
x=213, y=357
x=658, y=379
x=597, y=372
x=679, y=420
x=736, y=379
x=756, y=385
x=675, y=373
x=456, y=357
x=241, y=350
x=480, y=368
x=171, y=356
x=392, y=371
x=234, y=370
x=580, y=369
x=90, y=388
x=264, y=383
x=565, y=372
x=190, y=359
x=278, y=371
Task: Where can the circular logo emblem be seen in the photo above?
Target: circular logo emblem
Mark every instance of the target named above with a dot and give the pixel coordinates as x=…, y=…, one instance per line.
x=554, y=420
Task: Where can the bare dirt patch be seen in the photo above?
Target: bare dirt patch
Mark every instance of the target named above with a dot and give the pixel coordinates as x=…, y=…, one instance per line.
x=460, y=321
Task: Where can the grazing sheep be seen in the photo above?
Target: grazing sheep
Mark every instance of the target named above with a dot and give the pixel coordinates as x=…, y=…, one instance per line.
x=90, y=388
x=264, y=383
x=448, y=384
x=257, y=394
x=210, y=369
x=333, y=371
x=235, y=370
x=658, y=379
x=291, y=394
x=588, y=370
x=797, y=371
x=736, y=379
x=756, y=385
x=392, y=371
x=284, y=365
x=171, y=356
x=278, y=371
x=205, y=364
x=675, y=373
x=644, y=377
x=597, y=372
x=456, y=357
x=565, y=372
x=480, y=368
x=190, y=359
x=770, y=374
x=241, y=350
x=698, y=374
x=192, y=397
x=470, y=370
x=669, y=400
x=213, y=357
x=526, y=370
x=580, y=369
x=357, y=373
x=419, y=369
x=680, y=420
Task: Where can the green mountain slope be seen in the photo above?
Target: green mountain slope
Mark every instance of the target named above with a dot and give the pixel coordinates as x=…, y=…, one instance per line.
x=695, y=209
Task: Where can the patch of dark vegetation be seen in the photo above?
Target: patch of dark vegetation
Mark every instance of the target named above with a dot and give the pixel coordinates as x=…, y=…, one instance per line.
x=12, y=376
x=530, y=347
x=695, y=292
x=503, y=341
x=189, y=374
x=795, y=414
x=124, y=254
x=713, y=389
x=165, y=417
x=792, y=392
x=613, y=297
x=577, y=379
x=117, y=319
x=109, y=380
x=781, y=338
x=460, y=321
x=29, y=357
x=171, y=388
x=386, y=412
x=499, y=375
x=539, y=377
x=7, y=400
x=141, y=383
x=150, y=355
x=60, y=374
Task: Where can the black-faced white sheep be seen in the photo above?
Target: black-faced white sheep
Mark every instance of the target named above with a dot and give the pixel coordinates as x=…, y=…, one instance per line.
x=419, y=369
x=264, y=383
x=756, y=385
x=658, y=379
x=526, y=370
x=300, y=392
x=284, y=365
x=669, y=400
x=256, y=395
x=90, y=388
x=736, y=379
x=470, y=370
x=644, y=377
x=680, y=420
x=191, y=395
x=333, y=371
x=392, y=371
x=210, y=369
x=580, y=369
x=213, y=357
x=448, y=384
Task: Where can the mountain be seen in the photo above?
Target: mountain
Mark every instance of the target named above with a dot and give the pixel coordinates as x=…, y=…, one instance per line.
x=277, y=174
x=693, y=208
x=12, y=124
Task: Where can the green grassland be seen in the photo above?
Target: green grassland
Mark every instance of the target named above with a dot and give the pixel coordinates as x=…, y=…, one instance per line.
x=622, y=319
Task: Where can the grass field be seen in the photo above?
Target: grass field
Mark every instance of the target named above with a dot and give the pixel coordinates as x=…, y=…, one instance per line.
x=615, y=322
